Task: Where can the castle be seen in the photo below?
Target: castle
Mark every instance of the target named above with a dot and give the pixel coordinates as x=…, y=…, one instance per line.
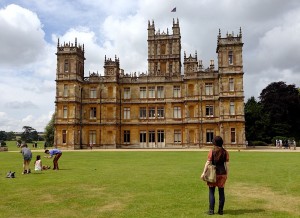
x=163, y=108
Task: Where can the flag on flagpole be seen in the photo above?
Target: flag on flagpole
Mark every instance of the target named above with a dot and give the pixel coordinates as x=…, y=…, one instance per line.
x=174, y=10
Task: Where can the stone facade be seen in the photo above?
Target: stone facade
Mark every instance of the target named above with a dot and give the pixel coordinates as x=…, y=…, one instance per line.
x=161, y=108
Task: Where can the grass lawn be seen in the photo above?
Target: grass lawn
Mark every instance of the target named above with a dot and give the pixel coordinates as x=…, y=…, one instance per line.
x=149, y=184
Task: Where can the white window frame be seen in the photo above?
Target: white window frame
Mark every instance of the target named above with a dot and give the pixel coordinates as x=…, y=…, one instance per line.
x=126, y=113
x=231, y=84
x=232, y=135
x=66, y=90
x=176, y=92
x=230, y=58
x=93, y=93
x=93, y=113
x=151, y=112
x=143, y=92
x=160, y=92
x=65, y=111
x=209, y=110
x=232, y=108
x=151, y=91
x=209, y=89
x=177, y=112
x=143, y=113
x=209, y=135
x=92, y=137
x=126, y=136
x=160, y=112
x=177, y=136
x=127, y=94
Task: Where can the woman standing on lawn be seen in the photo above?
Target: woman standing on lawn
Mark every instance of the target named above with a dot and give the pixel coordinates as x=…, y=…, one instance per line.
x=57, y=154
x=220, y=158
x=27, y=155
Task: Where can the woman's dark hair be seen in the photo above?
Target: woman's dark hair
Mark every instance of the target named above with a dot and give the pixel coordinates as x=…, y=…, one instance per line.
x=218, y=141
x=46, y=151
x=38, y=157
x=218, y=148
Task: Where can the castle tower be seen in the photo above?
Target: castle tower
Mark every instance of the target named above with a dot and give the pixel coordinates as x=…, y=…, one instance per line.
x=111, y=68
x=69, y=80
x=190, y=63
x=164, y=51
x=230, y=63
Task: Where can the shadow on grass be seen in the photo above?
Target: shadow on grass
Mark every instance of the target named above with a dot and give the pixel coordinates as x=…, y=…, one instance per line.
x=243, y=211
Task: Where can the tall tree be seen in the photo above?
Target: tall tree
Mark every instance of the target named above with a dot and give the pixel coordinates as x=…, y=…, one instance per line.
x=255, y=127
x=3, y=136
x=281, y=104
x=10, y=136
x=28, y=134
x=49, y=132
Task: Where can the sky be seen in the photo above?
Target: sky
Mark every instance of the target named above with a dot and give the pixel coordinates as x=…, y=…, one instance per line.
x=29, y=30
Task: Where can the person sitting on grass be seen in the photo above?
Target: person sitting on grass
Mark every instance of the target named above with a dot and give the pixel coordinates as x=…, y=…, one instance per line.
x=57, y=154
x=38, y=164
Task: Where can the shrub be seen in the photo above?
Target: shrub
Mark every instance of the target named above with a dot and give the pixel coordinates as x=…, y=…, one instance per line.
x=259, y=143
x=2, y=143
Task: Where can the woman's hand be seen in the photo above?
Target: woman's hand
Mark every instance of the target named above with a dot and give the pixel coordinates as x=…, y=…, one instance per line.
x=202, y=176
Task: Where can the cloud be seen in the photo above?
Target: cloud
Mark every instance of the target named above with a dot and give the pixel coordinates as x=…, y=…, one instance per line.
x=23, y=39
x=20, y=105
x=28, y=44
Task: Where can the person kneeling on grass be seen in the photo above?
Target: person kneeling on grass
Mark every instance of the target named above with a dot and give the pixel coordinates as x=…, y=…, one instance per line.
x=57, y=154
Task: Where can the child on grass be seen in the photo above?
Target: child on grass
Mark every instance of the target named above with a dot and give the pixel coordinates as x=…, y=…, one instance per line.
x=38, y=164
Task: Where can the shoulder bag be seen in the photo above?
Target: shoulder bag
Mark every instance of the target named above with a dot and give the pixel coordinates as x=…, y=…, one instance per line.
x=210, y=173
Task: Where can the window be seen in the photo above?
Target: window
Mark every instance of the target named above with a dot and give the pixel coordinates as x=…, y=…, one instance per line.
x=92, y=135
x=65, y=112
x=127, y=93
x=177, y=112
x=163, y=49
x=232, y=109
x=126, y=136
x=66, y=90
x=176, y=92
x=170, y=48
x=160, y=136
x=177, y=136
x=232, y=135
x=231, y=84
x=209, y=136
x=152, y=92
x=142, y=92
x=160, y=92
x=93, y=93
x=143, y=136
x=143, y=114
x=209, y=110
x=151, y=112
x=155, y=67
x=209, y=89
x=93, y=113
x=64, y=136
x=230, y=57
x=66, y=66
x=170, y=68
x=160, y=112
x=126, y=113
x=151, y=136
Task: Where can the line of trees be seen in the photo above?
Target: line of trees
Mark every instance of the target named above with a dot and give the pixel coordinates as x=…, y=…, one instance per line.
x=275, y=115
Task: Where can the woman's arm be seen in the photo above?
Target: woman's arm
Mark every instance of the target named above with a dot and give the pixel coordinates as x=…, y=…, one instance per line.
x=227, y=167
